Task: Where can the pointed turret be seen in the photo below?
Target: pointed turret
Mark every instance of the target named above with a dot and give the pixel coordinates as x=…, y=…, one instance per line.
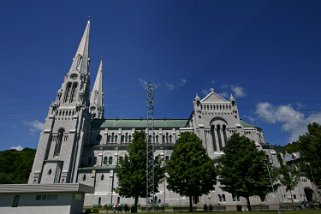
x=81, y=60
x=97, y=95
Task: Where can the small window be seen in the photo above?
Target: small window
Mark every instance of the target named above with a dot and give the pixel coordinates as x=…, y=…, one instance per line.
x=49, y=172
x=110, y=160
x=102, y=177
x=84, y=177
x=15, y=202
x=105, y=160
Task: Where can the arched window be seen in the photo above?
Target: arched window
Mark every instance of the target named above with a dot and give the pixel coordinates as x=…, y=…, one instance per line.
x=156, y=138
x=59, y=141
x=130, y=138
x=110, y=160
x=223, y=197
x=126, y=137
x=122, y=138
x=67, y=91
x=167, y=138
x=79, y=59
x=105, y=160
x=170, y=138
x=72, y=95
x=112, y=137
x=108, y=138
x=116, y=138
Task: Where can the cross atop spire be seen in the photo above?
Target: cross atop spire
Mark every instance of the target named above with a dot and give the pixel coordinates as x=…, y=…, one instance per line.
x=81, y=60
x=97, y=95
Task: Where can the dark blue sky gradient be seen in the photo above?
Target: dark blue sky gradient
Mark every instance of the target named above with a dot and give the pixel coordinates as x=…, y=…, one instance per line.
x=272, y=49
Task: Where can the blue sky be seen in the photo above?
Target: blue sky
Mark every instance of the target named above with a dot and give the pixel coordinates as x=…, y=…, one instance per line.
x=267, y=53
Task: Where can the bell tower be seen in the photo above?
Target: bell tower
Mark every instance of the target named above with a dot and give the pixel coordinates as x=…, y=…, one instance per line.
x=66, y=127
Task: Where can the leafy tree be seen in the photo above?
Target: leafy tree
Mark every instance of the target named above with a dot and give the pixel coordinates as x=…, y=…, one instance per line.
x=243, y=169
x=191, y=172
x=288, y=176
x=131, y=171
x=310, y=150
x=16, y=165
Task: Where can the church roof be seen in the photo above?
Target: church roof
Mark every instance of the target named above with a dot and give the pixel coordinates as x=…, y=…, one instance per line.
x=139, y=123
x=213, y=97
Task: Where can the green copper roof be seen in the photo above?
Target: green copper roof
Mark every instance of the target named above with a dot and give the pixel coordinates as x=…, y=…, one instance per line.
x=246, y=124
x=139, y=123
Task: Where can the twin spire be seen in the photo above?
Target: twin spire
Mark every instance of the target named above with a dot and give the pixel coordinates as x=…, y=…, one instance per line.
x=97, y=95
x=80, y=64
x=81, y=60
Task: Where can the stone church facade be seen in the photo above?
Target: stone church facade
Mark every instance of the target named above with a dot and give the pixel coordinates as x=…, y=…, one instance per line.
x=78, y=145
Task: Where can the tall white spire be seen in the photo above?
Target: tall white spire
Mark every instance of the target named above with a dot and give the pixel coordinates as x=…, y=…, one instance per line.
x=97, y=95
x=81, y=60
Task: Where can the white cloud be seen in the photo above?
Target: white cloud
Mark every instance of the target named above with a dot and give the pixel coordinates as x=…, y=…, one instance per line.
x=170, y=86
x=35, y=125
x=238, y=91
x=293, y=121
x=18, y=148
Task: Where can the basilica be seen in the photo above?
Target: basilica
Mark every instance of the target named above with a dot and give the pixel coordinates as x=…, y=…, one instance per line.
x=79, y=145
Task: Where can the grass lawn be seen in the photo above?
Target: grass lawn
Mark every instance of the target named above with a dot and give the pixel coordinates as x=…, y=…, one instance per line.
x=254, y=212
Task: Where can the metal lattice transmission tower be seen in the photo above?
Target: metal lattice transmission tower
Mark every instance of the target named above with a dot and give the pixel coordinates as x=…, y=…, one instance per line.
x=150, y=189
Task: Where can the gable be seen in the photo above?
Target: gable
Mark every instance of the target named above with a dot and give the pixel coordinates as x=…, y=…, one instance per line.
x=212, y=97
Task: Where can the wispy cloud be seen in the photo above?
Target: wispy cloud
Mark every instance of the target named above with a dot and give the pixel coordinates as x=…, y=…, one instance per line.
x=34, y=125
x=293, y=121
x=205, y=92
x=142, y=82
x=182, y=82
x=169, y=86
x=18, y=148
x=236, y=90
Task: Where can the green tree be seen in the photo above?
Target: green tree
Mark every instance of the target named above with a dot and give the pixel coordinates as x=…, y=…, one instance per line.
x=288, y=176
x=131, y=171
x=243, y=169
x=310, y=151
x=16, y=165
x=191, y=172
